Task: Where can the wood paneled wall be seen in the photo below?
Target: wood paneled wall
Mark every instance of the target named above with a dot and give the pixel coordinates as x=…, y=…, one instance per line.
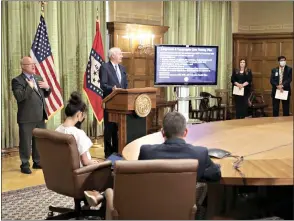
x=261, y=52
x=139, y=63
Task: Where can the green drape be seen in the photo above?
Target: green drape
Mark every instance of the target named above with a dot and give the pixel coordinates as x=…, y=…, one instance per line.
x=201, y=23
x=71, y=29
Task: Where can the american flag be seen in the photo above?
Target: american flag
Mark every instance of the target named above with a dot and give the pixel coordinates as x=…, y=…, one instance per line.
x=43, y=58
x=91, y=76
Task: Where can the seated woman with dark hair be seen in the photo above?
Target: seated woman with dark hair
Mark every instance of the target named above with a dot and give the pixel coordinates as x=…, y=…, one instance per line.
x=75, y=115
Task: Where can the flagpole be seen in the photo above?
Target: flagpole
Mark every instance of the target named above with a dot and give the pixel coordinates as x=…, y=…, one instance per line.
x=95, y=141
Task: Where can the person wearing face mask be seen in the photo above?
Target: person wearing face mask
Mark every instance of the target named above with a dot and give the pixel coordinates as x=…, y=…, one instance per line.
x=75, y=116
x=281, y=78
x=242, y=78
x=112, y=76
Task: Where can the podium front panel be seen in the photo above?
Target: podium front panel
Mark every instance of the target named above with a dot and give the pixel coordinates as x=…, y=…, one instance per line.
x=136, y=127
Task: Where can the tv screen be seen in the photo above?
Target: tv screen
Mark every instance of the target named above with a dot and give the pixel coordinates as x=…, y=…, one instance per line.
x=185, y=65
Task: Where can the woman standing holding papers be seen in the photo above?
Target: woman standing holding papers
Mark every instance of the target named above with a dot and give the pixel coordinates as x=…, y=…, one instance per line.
x=241, y=79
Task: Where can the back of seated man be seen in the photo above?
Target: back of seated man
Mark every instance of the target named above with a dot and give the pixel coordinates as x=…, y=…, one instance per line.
x=175, y=147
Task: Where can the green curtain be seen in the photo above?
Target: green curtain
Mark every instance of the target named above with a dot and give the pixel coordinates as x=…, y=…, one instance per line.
x=181, y=17
x=71, y=28
x=202, y=23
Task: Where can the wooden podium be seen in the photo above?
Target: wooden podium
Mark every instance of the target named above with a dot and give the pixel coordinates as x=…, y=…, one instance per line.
x=123, y=106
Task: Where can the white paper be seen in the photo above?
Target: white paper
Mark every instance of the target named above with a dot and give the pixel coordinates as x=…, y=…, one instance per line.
x=238, y=91
x=280, y=95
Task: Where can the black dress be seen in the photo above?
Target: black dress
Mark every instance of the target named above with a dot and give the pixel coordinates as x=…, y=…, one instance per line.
x=241, y=102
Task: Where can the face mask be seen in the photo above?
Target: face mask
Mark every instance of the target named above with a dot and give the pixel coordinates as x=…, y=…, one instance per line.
x=282, y=63
x=79, y=124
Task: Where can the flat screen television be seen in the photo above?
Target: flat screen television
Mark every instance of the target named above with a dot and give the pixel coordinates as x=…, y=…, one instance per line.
x=185, y=65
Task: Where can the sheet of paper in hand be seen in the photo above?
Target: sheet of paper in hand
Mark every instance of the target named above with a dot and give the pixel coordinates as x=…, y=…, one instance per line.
x=238, y=91
x=281, y=95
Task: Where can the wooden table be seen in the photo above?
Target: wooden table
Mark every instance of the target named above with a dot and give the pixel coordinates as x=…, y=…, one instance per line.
x=253, y=138
x=266, y=144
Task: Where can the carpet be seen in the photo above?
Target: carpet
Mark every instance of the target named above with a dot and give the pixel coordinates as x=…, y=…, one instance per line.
x=32, y=203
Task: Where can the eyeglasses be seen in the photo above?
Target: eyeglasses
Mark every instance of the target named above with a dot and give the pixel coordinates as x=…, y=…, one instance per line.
x=29, y=64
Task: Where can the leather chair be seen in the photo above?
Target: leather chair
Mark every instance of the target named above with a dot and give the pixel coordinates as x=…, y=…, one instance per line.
x=218, y=108
x=256, y=105
x=203, y=113
x=60, y=162
x=153, y=189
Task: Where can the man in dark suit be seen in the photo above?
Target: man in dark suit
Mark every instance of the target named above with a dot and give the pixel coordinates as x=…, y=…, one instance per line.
x=175, y=147
x=281, y=78
x=112, y=76
x=29, y=91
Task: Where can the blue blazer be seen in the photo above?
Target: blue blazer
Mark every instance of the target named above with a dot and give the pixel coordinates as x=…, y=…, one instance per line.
x=177, y=148
x=108, y=78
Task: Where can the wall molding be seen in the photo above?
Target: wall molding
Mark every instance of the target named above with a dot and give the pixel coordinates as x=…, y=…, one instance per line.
x=139, y=18
x=284, y=35
x=276, y=27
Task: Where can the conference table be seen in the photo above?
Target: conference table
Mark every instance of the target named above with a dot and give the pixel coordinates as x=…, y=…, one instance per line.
x=263, y=148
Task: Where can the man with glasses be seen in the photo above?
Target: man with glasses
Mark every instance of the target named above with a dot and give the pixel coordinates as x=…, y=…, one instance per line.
x=30, y=91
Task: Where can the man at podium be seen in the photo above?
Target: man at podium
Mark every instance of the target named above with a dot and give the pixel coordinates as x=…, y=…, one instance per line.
x=112, y=76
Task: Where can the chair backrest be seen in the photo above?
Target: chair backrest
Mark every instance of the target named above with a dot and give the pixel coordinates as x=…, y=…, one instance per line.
x=155, y=189
x=59, y=157
x=224, y=94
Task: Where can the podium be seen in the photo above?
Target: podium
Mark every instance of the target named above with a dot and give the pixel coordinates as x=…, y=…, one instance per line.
x=129, y=109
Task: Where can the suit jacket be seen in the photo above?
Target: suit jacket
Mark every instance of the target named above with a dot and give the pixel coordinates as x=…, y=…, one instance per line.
x=108, y=78
x=177, y=148
x=242, y=78
x=287, y=79
x=31, y=104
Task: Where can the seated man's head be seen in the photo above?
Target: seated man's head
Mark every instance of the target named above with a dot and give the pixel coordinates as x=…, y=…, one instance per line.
x=75, y=109
x=174, y=126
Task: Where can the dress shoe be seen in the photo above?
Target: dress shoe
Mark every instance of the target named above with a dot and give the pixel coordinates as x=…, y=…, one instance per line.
x=94, y=198
x=36, y=166
x=25, y=170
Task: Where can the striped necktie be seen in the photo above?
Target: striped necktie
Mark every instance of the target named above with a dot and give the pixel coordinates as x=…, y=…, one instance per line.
x=281, y=75
x=35, y=84
x=117, y=73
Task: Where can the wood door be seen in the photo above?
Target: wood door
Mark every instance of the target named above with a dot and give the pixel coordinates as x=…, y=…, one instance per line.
x=261, y=52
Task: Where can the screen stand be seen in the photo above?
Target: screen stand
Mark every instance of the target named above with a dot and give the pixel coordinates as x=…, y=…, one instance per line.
x=183, y=101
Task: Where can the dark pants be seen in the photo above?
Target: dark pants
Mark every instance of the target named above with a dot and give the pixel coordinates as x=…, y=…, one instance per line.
x=27, y=141
x=110, y=136
x=241, y=105
x=276, y=107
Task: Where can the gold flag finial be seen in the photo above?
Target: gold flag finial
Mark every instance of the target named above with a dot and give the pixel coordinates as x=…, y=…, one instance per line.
x=43, y=7
x=97, y=15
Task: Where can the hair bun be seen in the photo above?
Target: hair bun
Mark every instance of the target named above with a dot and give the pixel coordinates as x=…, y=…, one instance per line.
x=75, y=98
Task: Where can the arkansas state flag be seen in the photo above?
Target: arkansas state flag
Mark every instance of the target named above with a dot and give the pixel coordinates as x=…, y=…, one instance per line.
x=91, y=76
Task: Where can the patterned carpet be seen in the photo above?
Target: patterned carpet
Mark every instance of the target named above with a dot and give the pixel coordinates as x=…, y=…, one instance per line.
x=31, y=203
